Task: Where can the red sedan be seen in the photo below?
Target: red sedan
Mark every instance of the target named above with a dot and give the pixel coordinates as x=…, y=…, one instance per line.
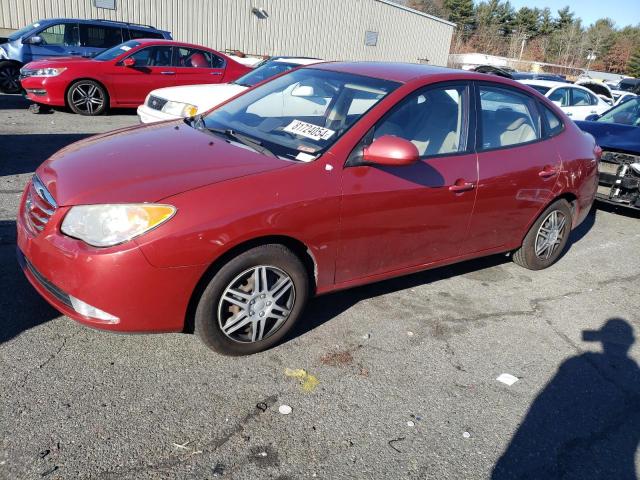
x=123, y=76
x=325, y=178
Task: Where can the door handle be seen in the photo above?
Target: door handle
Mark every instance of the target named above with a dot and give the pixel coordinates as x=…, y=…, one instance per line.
x=216, y=73
x=569, y=114
x=548, y=172
x=74, y=53
x=167, y=73
x=461, y=186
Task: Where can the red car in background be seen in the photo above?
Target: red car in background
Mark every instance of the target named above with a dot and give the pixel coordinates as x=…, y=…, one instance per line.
x=122, y=76
x=324, y=178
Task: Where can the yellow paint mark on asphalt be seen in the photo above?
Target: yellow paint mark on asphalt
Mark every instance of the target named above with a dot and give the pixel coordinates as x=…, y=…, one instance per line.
x=308, y=382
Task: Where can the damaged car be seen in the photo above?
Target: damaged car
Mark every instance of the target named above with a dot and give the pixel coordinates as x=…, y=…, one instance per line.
x=617, y=131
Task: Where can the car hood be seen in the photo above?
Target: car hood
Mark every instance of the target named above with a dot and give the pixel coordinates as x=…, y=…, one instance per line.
x=58, y=62
x=205, y=97
x=146, y=164
x=614, y=136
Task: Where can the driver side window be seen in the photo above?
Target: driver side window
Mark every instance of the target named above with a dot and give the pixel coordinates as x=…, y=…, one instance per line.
x=61, y=34
x=432, y=119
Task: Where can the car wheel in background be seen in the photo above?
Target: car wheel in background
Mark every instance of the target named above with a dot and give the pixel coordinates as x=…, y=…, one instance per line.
x=9, y=78
x=87, y=97
x=547, y=238
x=252, y=301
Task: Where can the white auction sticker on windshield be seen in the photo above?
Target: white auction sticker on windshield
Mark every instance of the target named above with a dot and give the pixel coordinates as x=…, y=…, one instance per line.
x=309, y=130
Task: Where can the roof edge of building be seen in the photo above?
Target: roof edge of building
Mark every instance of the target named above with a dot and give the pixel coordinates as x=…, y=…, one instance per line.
x=417, y=12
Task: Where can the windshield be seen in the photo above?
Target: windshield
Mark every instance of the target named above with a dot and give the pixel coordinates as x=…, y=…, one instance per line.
x=19, y=33
x=627, y=113
x=627, y=86
x=266, y=70
x=301, y=114
x=115, y=52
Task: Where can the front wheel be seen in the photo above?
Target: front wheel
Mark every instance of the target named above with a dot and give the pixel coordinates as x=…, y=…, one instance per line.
x=252, y=301
x=86, y=97
x=547, y=237
x=9, y=77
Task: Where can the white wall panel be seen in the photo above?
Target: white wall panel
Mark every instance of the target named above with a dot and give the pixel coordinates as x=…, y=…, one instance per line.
x=330, y=29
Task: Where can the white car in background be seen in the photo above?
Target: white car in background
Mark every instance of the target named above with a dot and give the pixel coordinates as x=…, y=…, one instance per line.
x=576, y=101
x=186, y=101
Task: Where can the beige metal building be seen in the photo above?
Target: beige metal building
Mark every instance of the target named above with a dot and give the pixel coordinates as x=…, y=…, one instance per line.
x=330, y=29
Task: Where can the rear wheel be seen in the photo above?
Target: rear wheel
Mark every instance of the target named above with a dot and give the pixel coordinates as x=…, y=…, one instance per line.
x=87, y=97
x=547, y=237
x=9, y=77
x=252, y=301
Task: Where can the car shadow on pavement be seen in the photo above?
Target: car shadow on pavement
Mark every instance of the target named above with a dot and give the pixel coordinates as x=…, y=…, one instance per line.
x=585, y=423
x=24, y=153
x=624, y=211
x=21, y=306
x=13, y=102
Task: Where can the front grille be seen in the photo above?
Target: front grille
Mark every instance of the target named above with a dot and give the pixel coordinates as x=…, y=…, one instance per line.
x=39, y=205
x=46, y=284
x=156, y=102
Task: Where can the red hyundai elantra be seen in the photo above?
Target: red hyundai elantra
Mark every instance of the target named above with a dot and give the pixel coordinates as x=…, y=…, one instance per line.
x=325, y=178
x=122, y=76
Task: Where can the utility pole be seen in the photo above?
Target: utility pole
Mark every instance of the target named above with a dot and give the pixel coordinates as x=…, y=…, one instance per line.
x=524, y=41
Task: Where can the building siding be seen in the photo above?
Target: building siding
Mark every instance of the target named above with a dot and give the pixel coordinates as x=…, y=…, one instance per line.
x=329, y=29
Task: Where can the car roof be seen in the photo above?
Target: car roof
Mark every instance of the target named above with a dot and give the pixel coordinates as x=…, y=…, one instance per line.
x=296, y=60
x=405, y=72
x=173, y=43
x=544, y=83
x=135, y=26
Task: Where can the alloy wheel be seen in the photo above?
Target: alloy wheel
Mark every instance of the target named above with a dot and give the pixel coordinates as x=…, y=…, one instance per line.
x=256, y=304
x=550, y=234
x=9, y=79
x=87, y=97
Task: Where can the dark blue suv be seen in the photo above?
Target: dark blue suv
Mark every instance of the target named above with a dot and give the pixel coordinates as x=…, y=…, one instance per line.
x=61, y=37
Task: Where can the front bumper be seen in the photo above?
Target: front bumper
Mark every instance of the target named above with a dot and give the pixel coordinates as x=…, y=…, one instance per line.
x=118, y=280
x=150, y=115
x=619, y=184
x=45, y=90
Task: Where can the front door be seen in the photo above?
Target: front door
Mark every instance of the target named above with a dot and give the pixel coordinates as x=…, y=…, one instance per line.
x=58, y=40
x=153, y=69
x=518, y=169
x=398, y=217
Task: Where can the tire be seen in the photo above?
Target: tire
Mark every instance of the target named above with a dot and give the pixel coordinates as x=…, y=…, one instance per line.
x=233, y=317
x=545, y=241
x=10, y=77
x=86, y=97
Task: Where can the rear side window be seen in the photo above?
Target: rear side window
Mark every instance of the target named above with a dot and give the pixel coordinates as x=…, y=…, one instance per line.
x=194, y=58
x=136, y=34
x=553, y=123
x=99, y=37
x=65, y=34
x=580, y=98
x=509, y=118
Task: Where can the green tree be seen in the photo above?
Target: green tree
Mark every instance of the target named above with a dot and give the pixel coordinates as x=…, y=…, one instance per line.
x=527, y=21
x=461, y=12
x=633, y=66
x=565, y=18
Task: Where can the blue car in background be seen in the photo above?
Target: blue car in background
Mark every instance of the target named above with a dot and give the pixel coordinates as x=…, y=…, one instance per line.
x=63, y=37
x=617, y=131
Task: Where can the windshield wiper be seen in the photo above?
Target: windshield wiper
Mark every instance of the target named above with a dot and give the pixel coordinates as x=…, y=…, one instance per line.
x=243, y=139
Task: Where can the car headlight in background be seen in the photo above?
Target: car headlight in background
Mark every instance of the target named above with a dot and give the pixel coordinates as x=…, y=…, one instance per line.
x=180, y=109
x=43, y=72
x=108, y=225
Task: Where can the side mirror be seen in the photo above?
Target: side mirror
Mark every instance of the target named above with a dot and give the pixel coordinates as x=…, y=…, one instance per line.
x=35, y=40
x=391, y=150
x=303, y=91
x=592, y=118
x=129, y=62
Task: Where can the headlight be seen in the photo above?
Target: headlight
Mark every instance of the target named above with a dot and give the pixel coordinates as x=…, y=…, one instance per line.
x=47, y=72
x=108, y=225
x=180, y=109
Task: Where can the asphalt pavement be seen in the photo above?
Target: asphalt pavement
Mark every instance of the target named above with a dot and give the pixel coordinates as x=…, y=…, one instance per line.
x=399, y=377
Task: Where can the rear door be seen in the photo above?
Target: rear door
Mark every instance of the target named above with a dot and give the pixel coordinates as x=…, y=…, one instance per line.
x=153, y=69
x=582, y=104
x=96, y=38
x=405, y=216
x=517, y=167
x=58, y=40
x=194, y=66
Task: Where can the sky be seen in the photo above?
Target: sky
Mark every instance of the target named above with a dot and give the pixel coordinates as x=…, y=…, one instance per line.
x=622, y=12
